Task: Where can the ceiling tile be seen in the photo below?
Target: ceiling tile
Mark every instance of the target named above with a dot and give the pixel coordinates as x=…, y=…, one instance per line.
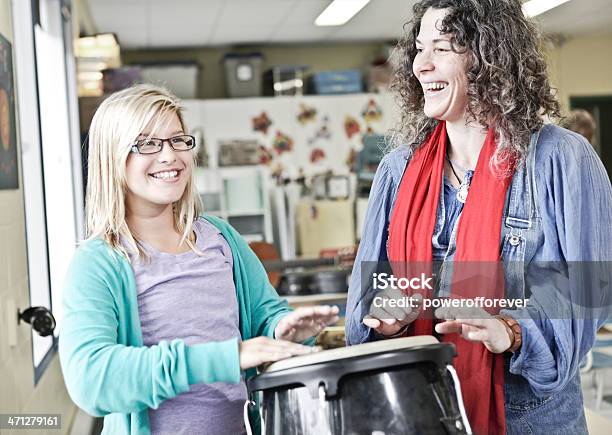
x=218, y=22
x=242, y=35
x=300, y=33
x=113, y=14
x=188, y=23
x=578, y=17
x=380, y=19
x=250, y=13
x=132, y=37
x=305, y=12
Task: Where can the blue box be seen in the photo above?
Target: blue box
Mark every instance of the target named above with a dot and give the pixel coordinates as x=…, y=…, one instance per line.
x=337, y=82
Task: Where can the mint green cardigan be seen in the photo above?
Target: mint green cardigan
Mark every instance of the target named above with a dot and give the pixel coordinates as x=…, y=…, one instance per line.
x=107, y=370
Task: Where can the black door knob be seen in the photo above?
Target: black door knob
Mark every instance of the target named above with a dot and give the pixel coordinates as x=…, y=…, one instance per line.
x=40, y=318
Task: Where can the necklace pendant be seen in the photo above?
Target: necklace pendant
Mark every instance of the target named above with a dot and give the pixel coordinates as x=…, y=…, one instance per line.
x=462, y=192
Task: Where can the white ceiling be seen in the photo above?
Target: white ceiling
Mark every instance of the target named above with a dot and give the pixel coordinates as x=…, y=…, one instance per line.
x=185, y=23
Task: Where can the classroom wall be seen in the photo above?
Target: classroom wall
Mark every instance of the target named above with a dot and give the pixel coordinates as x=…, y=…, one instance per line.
x=581, y=66
x=18, y=394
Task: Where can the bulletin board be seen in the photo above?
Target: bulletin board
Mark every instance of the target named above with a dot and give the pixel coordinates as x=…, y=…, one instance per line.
x=8, y=135
x=306, y=135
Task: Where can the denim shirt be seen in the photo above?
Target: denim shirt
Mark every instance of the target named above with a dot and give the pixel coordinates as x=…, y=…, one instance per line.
x=558, y=208
x=449, y=210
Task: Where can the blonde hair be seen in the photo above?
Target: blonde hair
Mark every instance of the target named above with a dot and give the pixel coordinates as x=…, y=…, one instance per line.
x=119, y=120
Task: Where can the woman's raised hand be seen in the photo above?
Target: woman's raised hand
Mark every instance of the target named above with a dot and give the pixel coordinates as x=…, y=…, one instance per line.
x=386, y=317
x=474, y=324
x=257, y=351
x=306, y=322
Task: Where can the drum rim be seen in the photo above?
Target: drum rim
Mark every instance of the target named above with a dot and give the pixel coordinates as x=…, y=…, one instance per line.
x=330, y=373
x=363, y=349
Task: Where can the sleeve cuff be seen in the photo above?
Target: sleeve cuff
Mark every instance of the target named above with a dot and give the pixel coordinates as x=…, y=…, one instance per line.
x=532, y=357
x=272, y=324
x=213, y=362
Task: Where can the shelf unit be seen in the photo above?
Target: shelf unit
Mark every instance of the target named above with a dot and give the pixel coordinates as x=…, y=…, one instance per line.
x=239, y=195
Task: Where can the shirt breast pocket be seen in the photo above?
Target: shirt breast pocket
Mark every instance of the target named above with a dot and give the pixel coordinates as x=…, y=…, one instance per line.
x=513, y=250
x=515, y=232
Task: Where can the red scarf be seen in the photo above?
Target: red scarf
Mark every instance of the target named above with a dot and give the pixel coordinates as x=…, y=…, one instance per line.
x=478, y=239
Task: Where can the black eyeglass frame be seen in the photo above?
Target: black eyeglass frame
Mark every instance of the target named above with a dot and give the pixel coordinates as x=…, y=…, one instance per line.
x=135, y=148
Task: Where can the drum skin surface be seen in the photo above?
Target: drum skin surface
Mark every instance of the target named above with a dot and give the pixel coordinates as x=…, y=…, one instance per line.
x=391, y=392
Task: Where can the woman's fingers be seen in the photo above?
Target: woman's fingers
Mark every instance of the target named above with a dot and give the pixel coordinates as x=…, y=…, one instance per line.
x=393, y=302
x=490, y=332
x=389, y=300
x=384, y=326
x=384, y=316
x=371, y=322
x=288, y=333
x=461, y=326
x=387, y=315
x=413, y=312
x=449, y=327
x=323, y=313
x=397, y=313
x=467, y=314
x=389, y=312
x=270, y=343
x=476, y=334
x=304, y=322
x=479, y=323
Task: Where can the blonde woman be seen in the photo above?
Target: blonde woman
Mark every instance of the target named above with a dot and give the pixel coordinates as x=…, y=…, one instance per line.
x=164, y=308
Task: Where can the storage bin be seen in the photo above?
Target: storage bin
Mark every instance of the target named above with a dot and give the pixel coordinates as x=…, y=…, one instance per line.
x=116, y=79
x=181, y=78
x=380, y=76
x=284, y=80
x=243, y=74
x=337, y=82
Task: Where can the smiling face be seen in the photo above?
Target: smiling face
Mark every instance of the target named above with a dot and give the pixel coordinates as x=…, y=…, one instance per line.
x=440, y=70
x=155, y=181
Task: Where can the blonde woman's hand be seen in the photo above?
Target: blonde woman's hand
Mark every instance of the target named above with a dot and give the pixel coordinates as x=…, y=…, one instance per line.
x=474, y=324
x=306, y=322
x=389, y=320
x=257, y=351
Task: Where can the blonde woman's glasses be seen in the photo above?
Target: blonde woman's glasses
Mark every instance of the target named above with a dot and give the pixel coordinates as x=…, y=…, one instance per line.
x=154, y=145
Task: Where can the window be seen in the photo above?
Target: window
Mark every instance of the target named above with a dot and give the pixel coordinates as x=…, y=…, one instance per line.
x=48, y=125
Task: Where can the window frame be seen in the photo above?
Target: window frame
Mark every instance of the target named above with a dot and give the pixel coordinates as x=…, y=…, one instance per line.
x=36, y=23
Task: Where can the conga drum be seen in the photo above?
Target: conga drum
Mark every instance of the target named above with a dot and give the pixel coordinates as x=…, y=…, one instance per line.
x=391, y=387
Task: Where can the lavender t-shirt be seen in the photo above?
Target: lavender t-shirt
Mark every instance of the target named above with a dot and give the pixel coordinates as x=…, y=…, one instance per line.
x=193, y=298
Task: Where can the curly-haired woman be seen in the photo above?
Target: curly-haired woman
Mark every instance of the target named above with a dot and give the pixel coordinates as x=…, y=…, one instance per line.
x=481, y=179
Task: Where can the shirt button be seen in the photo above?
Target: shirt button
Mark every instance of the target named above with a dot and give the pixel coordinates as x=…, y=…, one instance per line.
x=515, y=240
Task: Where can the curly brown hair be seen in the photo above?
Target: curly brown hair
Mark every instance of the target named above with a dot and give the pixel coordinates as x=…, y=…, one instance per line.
x=508, y=87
